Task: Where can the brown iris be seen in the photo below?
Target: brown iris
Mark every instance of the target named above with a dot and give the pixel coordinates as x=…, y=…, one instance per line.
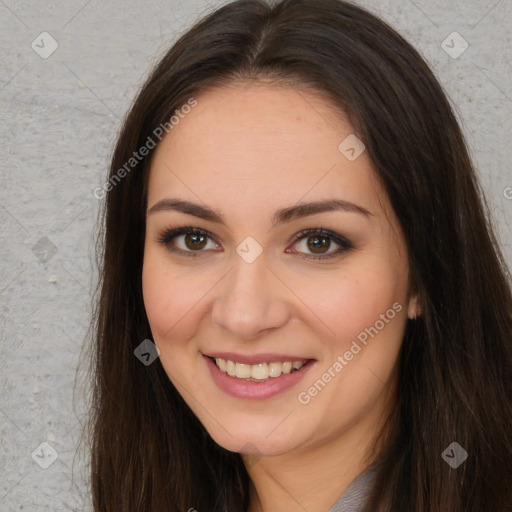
x=197, y=241
x=319, y=243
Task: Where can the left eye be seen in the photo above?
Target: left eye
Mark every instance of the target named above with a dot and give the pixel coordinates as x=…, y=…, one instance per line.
x=319, y=241
x=194, y=240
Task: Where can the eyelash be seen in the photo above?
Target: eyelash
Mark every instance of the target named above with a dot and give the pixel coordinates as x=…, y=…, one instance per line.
x=168, y=235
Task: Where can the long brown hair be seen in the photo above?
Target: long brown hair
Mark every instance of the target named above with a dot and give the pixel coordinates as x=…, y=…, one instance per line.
x=148, y=451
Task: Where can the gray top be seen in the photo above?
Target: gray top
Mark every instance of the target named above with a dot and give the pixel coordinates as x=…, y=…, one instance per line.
x=354, y=498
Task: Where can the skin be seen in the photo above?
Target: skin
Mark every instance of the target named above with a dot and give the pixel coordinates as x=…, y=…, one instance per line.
x=247, y=150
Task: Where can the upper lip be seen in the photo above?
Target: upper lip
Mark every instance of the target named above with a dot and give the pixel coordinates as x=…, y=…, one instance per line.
x=256, y=358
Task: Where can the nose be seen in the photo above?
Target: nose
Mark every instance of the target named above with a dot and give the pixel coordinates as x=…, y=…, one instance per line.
x=251, y=300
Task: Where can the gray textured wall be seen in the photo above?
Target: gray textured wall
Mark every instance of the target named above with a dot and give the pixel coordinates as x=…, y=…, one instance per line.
x=60, y=113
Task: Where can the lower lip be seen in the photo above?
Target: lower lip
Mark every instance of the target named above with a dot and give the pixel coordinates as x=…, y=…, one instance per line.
x=240, y=388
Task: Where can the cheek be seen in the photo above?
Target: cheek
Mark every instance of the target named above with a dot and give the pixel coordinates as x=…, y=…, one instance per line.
x=367, y=312
x=359, y=299
x=168, y=297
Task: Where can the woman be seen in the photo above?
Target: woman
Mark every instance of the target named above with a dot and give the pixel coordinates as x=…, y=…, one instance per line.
x=292, y=218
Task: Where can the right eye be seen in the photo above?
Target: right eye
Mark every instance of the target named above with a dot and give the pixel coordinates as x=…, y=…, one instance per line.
x=193, y=240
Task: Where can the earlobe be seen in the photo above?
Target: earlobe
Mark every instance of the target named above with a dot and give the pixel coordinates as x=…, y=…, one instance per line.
x=414, y=308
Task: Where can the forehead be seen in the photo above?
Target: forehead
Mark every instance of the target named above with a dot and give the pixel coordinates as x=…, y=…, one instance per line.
x=267, y=143
x=260, y=121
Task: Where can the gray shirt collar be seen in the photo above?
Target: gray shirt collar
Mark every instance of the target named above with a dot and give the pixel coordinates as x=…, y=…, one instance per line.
x=354, y=498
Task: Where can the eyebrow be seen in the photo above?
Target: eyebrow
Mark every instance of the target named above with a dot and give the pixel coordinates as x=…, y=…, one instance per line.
x=280, y=216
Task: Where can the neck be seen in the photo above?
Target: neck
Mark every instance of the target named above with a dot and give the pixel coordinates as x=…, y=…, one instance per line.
x=283, y=487
x=313, y=479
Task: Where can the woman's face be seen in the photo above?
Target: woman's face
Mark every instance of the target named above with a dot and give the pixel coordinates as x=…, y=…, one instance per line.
x=306, y=328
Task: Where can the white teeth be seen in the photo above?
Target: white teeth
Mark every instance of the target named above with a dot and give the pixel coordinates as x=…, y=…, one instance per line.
x=287, y=367
x=230, y=367
x=259, y=372
x=243, y=371
x=275, y=369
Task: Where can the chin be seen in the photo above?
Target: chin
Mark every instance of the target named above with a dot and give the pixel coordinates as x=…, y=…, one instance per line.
x=256, y=439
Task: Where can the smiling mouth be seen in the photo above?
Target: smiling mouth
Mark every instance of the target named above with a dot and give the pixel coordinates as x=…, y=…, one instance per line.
x=261, y=372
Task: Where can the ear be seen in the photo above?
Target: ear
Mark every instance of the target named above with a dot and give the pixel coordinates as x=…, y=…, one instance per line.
x=414, y=307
